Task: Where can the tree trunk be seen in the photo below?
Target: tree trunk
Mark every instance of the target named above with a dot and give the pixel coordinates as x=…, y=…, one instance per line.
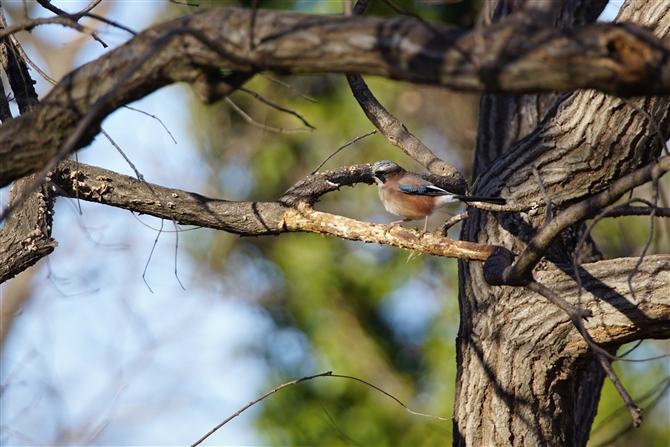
x=520, y=379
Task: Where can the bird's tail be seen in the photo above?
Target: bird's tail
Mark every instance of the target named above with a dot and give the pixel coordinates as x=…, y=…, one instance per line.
x=496, y=200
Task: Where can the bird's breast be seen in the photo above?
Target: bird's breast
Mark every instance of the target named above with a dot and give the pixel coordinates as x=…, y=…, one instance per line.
x=409, y=206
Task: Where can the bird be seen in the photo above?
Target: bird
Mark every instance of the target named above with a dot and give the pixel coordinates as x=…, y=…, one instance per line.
x=412, y=197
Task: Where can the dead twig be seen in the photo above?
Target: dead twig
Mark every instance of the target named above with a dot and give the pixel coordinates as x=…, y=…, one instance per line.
x=543, y=190
x=293, y=382
x=255, y=123
x=360, y=137
x=254, y=402
x=154, y=117
x=277, y=106
x=67, y=21
x=451, y=222
x=576, y=315
x=283, y=84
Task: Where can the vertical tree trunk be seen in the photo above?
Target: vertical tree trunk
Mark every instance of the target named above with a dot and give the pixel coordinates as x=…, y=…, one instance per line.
x=519, y=383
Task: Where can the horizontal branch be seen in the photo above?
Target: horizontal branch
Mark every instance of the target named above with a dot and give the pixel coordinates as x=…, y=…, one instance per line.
x=618, y=317
x=511, y=56
x=292, y=213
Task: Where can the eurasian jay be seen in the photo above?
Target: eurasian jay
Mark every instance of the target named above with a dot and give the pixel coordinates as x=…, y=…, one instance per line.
x=408, y=195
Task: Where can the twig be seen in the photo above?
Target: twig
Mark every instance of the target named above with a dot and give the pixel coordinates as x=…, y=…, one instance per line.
x=154, y=117
x=623, y=211
x=393, y=397
x=654, y=123
x=395, y=131
x=658, y=389
x=339, y=149
x=66, y=21
x=47, y=4
x=283, y=84
x=326, y=374
x=255, y=123
x=404, y=11
x=576, y=314
x=179, y=2
x=543, y=190
x=654, y=201
x=88, y=8
x=397, y=134
x=140, y=177
x=254, y=402
x=178, y=230
x=637, y=345
x=29, y=61
x=96, y=109
x=277, y=106
x=634, y=410
x=444, y=228
x=151, y=253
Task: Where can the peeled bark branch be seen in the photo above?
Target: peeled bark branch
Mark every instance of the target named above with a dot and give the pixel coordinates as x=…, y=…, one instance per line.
x=292, y=212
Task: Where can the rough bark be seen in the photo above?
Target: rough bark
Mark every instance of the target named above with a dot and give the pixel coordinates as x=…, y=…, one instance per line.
x=26, y=235
x=515, y=55
x=526, y=377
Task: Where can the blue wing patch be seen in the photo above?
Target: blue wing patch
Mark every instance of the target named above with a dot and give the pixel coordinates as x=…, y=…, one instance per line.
x=424, y=191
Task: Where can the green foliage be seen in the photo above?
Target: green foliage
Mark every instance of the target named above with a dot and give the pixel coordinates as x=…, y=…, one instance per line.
x=337, y=305
x=359, y=310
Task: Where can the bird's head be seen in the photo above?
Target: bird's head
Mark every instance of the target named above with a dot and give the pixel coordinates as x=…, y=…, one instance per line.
x=383, y=168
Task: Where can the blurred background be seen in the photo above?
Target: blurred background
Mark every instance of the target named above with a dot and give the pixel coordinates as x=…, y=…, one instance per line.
x=134, y=334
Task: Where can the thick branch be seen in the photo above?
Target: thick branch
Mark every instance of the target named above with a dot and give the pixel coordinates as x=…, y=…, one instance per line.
x=618, y=318
x=26, y=235
x=289, y=214
x=512, y=56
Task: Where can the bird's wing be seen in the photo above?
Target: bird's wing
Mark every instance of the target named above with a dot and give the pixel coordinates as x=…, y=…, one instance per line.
x=424, y=190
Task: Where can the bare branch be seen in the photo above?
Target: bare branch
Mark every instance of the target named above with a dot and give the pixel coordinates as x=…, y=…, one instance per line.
x=576, y=314
x=397, y=134
x=293, y=382
x=627, y=61
x=47, y=4
x=293, y=212
x=633, y=409
x=67, y=21
x=622, y=211
x=393, y=130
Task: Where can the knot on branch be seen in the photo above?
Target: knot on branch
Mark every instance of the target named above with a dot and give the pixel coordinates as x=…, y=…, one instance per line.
x=633, y=48
x=314, y=186
x=497, y=265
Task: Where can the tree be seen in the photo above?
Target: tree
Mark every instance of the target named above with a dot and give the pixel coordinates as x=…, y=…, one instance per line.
x=525, y=372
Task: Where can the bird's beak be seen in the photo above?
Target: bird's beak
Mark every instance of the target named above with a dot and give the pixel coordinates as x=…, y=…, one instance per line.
x=379, y=178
